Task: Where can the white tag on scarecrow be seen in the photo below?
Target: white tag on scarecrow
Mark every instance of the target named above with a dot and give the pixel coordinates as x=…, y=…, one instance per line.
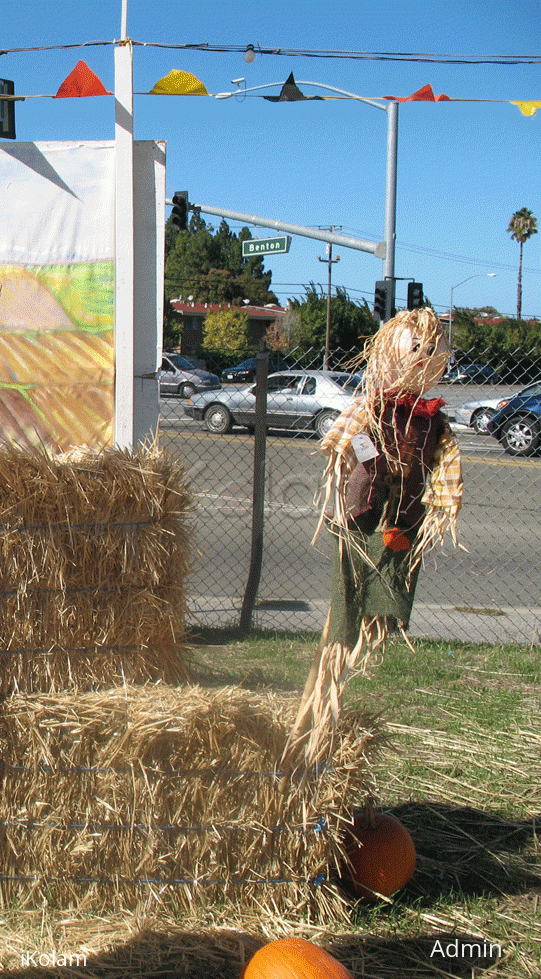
x=363, y=447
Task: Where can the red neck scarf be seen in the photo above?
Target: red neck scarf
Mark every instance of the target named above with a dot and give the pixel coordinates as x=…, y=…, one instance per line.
x=418, y=406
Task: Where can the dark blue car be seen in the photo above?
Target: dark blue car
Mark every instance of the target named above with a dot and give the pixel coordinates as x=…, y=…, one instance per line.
x=245, y=372
x=517, y=424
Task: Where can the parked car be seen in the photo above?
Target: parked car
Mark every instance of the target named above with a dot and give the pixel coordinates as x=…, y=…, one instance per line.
x=517, y=423
x=477, y=414
x=245, y=372
x=471, y=374
x=295, y=400
x=178, y=376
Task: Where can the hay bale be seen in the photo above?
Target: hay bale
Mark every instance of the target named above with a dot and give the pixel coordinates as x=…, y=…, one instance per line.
x=94, y=553
x=170, y=796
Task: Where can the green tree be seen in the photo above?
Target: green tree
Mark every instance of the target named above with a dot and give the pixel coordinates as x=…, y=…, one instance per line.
x=208, y=266
x=522, y=226
x=511, y=346
x=350, y=322
x=172, y=326
x=225, y=332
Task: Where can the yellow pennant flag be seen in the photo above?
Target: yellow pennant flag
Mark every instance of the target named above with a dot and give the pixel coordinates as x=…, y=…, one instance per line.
x=528, y=108
x=179, y=83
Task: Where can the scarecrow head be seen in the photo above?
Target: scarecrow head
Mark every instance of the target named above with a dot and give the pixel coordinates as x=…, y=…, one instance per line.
x=407, y=356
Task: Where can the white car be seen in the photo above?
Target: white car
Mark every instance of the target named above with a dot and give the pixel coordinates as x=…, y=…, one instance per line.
x=477, y=414
x=296, y=399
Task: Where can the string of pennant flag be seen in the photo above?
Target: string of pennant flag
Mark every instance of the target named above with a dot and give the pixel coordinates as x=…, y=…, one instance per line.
x=82, y=82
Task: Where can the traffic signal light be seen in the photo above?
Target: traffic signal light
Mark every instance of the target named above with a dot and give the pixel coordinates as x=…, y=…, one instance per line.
x=415, y=295
x=380, y=299
x=7, y=110
x=179, y=214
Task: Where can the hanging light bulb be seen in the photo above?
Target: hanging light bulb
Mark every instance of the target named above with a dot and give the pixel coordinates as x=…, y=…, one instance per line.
x=249, y=56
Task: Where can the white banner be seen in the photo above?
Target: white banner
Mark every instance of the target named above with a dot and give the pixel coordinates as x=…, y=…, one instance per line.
x=57, y=294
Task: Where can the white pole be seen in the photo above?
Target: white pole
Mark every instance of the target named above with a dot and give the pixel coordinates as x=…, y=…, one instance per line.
x=124, y=243
x=124, y=20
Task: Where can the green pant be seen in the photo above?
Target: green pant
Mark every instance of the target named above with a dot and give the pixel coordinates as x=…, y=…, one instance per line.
x=360, y=591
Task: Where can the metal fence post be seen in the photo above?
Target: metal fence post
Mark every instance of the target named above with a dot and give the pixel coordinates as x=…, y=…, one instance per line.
x=258, y=507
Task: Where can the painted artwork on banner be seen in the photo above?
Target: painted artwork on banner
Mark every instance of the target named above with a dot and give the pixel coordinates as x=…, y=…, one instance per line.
x=57, y=294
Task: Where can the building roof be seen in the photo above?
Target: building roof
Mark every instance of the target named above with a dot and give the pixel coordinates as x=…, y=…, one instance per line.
x=270, y=312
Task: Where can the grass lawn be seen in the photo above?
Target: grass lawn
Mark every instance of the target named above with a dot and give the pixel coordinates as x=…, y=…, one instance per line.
x=462, y=772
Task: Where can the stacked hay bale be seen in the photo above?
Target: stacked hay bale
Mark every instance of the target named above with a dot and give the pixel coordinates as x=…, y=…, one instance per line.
x=94, y=553
x=121, y=793
x=153, y=795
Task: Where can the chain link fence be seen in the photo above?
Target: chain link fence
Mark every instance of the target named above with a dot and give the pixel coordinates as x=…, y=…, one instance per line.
x=486, y=590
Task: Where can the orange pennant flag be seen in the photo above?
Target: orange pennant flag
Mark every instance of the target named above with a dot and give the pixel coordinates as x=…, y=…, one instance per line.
x=424, y=94
x=81, y=82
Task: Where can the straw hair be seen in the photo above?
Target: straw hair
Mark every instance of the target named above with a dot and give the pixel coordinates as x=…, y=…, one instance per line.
x=162, y=797
x=94, y=553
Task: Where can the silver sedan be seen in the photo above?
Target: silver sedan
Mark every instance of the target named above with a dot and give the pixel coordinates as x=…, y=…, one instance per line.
x=304, y=400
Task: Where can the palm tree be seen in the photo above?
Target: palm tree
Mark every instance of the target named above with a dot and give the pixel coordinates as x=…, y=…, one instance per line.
x=522, y=226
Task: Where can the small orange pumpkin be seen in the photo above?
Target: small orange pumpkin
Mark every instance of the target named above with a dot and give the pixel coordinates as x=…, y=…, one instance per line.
x=293, y=958
x=381, y=854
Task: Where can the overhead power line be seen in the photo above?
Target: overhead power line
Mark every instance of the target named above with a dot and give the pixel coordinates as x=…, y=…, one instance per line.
x=497, y=59
x=445, y=256
x=408, y=56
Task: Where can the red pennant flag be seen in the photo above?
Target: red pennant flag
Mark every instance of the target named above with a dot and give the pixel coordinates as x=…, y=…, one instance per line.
x=424, y=94
x=81, y=82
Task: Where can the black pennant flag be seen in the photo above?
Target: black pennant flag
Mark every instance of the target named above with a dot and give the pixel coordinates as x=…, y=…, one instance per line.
x=290, y=93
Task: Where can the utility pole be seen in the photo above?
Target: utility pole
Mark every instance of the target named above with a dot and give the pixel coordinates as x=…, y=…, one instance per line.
x=330, y=262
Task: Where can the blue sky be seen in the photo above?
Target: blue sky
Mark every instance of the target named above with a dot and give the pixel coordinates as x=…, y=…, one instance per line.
x=463, y=167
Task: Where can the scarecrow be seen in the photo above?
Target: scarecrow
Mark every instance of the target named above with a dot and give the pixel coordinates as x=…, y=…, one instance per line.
x=391, y=488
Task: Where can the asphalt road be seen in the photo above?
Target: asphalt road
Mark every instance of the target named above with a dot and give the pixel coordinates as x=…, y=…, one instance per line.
x=493, y=576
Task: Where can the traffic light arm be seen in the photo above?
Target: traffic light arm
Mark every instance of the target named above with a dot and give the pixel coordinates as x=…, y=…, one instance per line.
x=374, y=248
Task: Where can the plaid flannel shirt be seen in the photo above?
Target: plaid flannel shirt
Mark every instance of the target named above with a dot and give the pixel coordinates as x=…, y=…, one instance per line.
x=444, y=486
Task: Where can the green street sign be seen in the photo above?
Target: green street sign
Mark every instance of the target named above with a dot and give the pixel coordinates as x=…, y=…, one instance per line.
x=265, y=246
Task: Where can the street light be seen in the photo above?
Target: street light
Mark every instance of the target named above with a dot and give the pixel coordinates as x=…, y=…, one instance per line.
x=391, y=108
x=477, y=275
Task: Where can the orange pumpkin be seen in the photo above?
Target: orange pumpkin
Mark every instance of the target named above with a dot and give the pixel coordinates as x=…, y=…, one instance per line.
x=381, y=854
x=293, y=958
